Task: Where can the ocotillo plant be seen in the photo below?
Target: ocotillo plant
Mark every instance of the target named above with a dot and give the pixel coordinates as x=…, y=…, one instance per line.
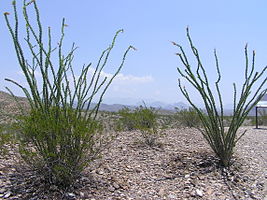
x=60, y=135
x=220, y=139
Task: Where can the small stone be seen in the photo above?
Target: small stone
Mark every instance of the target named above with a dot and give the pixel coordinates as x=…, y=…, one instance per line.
x=2, y=190
x=187, y=176
x=85, y=179
x=193, y=194
x=172, y=196
x=128, y=169
x=209, y=191
x=70, y=195
x=111, y=189
x=199, y=193
x=186, y=187
x=100, y=172
x=161, y=192
x=116, y=186
x=8, y=194
x=82, y=194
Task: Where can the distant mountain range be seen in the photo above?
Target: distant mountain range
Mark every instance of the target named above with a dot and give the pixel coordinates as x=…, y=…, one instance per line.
x=165, y=106
x=7, y=104
x=158, y=105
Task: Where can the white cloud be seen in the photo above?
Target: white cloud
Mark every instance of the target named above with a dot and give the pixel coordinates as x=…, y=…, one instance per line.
x=127, y=86
x=122, y=86
x=135, y=79
x=122, y=78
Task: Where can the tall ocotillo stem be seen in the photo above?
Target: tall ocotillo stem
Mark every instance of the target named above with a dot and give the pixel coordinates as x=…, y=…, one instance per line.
x=222, y=141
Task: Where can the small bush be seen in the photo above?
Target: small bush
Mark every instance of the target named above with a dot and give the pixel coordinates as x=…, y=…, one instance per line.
x=127, y=120
x=187, y=117
x=143, y=119
x=146, y=123
x=166, y=121
x=59, y=144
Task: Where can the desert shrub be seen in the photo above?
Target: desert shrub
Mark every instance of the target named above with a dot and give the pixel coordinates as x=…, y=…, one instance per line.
x=143, y=119
x=166, y=120
x=60, y=135
x=127, y=119
x=187, y=117
x=63, y=144
x=109, y=120
x=220, y=139
x=146, y=122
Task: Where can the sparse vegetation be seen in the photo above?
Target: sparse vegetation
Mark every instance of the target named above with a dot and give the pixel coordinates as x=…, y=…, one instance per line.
x=58, y=130
x=187, y=117
x=60, y=135
x=127, y=120
x=220, y=139
x=143, y=119
x=146, y=123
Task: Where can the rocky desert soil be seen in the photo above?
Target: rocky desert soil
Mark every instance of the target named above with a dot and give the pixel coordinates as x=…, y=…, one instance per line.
x=182, y=166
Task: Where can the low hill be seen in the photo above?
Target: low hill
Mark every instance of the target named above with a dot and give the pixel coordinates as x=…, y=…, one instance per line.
x=9, y=107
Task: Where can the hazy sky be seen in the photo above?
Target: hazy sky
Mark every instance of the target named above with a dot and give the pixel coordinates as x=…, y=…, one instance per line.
x=150, y=72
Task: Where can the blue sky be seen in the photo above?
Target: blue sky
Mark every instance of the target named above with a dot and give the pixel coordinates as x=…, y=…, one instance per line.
x=150, y=72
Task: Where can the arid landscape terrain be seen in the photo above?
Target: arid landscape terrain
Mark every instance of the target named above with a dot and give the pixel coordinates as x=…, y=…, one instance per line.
x=181, y=166
x=167, y=111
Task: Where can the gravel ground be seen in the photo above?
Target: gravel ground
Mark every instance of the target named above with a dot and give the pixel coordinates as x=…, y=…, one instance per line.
x=182, y=166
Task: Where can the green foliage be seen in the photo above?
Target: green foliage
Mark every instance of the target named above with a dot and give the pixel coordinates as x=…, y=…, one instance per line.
x=146, y=122
x=127, y=120
x=109, y=121
x=143, y=119
x=166, y=120
x=188, y=117
x=63, y=144
x=60, y=135
x=221, y=140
